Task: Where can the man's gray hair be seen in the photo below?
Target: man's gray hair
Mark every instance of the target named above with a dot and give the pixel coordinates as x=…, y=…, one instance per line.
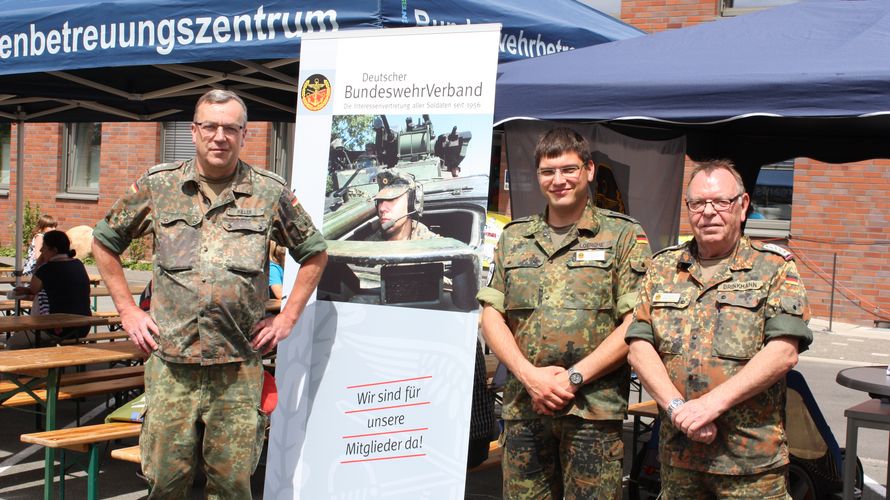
x=219, y=96
x=712, y=165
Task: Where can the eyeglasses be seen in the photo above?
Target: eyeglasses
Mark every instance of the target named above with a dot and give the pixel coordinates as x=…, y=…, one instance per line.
x=567, y=171
x=208, y=129
x=720, y=204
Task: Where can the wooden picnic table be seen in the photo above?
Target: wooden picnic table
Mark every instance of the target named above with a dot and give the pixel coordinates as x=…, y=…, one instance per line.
x=10, y=324
x=102, y=291
x=95, y=279
x=53, y=360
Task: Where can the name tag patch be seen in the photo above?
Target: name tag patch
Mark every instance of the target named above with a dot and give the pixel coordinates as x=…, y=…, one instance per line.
x=244, y=212
x=737, y=286
x=590, y=255
x=667, y=297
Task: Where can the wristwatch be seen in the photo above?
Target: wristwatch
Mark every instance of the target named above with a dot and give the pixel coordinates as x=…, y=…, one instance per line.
x=673, y=405
x=575, y=378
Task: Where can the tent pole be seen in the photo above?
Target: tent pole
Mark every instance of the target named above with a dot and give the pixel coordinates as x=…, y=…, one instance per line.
x=19, y=192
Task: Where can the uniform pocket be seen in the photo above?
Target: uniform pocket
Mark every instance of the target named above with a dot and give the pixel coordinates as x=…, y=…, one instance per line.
x=739, y=332
x=177, y=240
x=246, y=242
x=670, y=310
x=589, y=284
x=523, y=281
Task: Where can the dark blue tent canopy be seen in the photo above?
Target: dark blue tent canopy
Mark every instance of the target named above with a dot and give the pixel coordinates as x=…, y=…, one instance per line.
x=75, y=60
x=806, y=79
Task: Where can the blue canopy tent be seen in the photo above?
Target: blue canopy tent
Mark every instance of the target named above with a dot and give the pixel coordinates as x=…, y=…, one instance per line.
x=807, y=79
x=55, y=55
x=148, y=60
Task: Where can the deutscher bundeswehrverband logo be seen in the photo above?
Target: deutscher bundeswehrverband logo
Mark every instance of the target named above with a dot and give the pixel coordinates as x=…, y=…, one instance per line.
x=315, y=92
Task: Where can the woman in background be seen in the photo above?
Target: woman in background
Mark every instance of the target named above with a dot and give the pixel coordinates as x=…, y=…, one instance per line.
x=45, y=223
x=66, y=283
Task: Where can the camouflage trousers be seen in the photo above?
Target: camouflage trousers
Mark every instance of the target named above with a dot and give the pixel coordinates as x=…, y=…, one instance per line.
x=194, y=411
x=685, y=484
x=563, y=457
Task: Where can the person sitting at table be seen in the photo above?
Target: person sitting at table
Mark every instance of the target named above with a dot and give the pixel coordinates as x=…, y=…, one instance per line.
x=276, y=270
x=67, y=286
x=45, y=223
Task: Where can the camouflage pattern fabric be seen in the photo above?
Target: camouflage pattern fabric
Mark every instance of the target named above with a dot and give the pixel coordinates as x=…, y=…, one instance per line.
x=419, y=231
x=684, y=484
x=562, y=301
x=210, y=268
x=706, y=332
x=565, y=457
x=225, y=400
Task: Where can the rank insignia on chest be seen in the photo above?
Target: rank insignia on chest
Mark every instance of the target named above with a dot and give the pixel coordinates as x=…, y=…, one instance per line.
x=667, y=297
x=590, y=255
x=738, y=286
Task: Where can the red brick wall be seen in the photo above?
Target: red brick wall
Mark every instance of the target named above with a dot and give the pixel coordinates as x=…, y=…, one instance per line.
x=660, y=15
x=843, y=210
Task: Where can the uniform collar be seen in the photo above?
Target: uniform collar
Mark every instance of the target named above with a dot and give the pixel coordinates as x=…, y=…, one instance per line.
x=588, y=221
x=742, y=259
x=241, y=184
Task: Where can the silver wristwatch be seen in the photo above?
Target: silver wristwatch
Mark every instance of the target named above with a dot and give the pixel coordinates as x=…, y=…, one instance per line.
x=575, y=378
x=673, y=405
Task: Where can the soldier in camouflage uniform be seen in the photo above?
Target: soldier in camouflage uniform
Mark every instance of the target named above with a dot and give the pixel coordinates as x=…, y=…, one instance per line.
x=555, y=312
x=720, y=322
x=212, y=218
x=399, y=202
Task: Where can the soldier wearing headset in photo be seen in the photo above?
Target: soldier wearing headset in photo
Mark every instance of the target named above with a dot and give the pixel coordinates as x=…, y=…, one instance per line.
x=399, y=204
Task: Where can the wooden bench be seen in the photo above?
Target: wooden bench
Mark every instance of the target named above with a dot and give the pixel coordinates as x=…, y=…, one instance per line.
x=644, y=409
x=110, y=336
x=84, y=439
x=129, y=454
x=76, y=391
x=81, y=438
x=638, y=410
x=495, y=455
x=80, y=377
x=113, y=318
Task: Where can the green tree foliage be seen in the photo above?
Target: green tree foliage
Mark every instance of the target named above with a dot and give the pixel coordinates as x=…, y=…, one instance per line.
x=353, y=130
x=32, y=215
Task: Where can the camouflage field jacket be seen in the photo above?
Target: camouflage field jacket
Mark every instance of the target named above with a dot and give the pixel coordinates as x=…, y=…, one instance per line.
x=562, y=301
x=211, y=277
x=706, y=332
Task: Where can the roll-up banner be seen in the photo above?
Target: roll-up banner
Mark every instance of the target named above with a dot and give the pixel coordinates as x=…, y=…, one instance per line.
x=392, y=154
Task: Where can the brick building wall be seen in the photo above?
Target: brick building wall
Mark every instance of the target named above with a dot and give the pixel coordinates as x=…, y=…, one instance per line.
x=660, y=15
x=843, y=210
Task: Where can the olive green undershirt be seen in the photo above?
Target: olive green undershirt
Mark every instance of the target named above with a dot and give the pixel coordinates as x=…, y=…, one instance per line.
x=558, y=234
x=212, y=188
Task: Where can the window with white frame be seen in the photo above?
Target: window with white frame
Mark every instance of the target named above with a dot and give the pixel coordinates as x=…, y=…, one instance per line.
x=176, y=142
x=83, y=143
x=771, y=199
x=5, y=147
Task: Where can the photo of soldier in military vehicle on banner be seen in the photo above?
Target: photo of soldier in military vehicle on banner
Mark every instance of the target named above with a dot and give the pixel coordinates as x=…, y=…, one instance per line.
x=405, y=206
